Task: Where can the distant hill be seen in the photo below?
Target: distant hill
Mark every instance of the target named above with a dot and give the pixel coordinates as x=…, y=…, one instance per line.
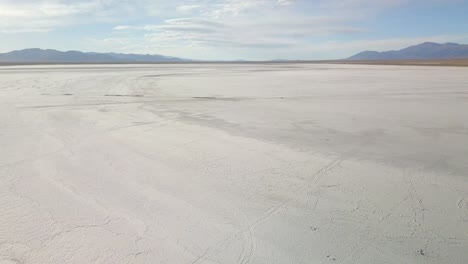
x=55, y=56
x=427, y=50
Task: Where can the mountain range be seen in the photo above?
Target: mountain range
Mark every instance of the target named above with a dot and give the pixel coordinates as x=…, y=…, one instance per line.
x=424, y=51
x=55, y=56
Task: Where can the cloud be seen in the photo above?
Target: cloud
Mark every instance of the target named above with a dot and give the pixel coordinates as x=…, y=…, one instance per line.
x=191, y=36
x=47, y=15
x=122, y=27
x=188, y=8
x=34, y=16
x=245, y=24
x=285, y=2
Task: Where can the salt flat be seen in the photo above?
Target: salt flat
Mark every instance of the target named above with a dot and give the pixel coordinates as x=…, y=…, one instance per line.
x=233, y=163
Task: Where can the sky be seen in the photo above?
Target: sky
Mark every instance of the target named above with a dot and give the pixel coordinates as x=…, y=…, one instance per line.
x=231, y=29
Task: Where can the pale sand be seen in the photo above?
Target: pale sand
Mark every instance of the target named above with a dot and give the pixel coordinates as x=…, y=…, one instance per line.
x=288, y=163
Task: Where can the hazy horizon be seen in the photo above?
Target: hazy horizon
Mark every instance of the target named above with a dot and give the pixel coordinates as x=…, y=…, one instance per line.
x=231, y=29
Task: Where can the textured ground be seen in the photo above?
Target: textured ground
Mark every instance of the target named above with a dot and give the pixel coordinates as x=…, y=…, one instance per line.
x=245, y=163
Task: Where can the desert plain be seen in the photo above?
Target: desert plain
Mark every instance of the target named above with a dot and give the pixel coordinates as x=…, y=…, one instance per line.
x=233, y=163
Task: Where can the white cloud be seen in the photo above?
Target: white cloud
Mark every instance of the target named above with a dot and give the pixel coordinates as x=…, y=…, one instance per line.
x=269, y=33
x=188, y=8
x=34, y=16
x=285, y=2
x=250, y=24
x=46, y=15
x=122, y=27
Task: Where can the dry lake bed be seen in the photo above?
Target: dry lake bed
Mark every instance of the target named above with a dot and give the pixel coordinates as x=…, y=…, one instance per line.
x=233, y=163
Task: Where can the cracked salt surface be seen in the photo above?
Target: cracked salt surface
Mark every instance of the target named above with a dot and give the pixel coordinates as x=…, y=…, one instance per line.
x=236, y=163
